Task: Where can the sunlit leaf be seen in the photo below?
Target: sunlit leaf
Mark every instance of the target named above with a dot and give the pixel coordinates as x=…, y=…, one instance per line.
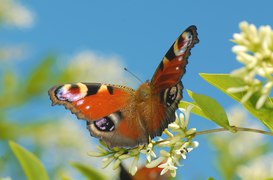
x=89, y=172
x=195, y=110
x=8, y=130
x=225, y=81
x=211, y=108
x=9, y=81
x=39, y=78
x=31, y=165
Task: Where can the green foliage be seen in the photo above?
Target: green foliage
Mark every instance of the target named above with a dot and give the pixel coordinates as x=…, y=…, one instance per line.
x=40, y=77
x=19, y=90
x=16, y=95
x=211, y=109
x=31, y=165
x=196, y=109
x=210, y=178
x=88, y=171
x=8, y=130
x=225, y=81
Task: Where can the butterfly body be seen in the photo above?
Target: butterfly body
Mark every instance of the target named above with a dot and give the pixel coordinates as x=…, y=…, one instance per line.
x=122, y=116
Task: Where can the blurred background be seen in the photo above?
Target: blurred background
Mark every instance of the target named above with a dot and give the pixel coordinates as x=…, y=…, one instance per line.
x=44, y=43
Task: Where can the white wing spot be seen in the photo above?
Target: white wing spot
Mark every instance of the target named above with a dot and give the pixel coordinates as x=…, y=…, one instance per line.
x=177, y=68
x=80, y=102
x=87, y=107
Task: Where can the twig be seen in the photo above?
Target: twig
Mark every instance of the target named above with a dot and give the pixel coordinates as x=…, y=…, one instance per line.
x=236, y=129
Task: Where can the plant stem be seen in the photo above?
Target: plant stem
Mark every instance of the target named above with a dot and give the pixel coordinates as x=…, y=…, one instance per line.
x=236, y=129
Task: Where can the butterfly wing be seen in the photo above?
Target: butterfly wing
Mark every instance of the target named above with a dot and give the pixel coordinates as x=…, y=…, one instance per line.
x=166, y=85
x=90, y=101
x=107, y=109
x=173, y=65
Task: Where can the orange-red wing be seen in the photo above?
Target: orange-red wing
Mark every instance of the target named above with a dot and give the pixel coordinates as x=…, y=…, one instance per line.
x=172, y=67
x=91, y=101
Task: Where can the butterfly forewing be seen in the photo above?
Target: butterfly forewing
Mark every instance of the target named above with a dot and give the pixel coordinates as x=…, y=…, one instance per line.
x=91, y=101
x=172, y=67
x=166, y=85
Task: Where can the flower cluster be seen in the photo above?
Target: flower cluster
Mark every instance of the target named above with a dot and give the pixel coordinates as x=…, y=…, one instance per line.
x=14, y=14
x=255, y=50
x=179, y=141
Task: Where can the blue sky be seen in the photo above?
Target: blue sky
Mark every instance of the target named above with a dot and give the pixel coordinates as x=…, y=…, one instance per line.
x=140, y=33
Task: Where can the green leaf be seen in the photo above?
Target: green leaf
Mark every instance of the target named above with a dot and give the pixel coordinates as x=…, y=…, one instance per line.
x=31, y=165
x=88, y=172
x=211, y=178
x=40, y=77
x=225, y=81
x=211, y=109
x=195, y=110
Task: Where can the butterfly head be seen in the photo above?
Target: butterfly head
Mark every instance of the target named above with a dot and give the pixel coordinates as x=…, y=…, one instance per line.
x=143, y=92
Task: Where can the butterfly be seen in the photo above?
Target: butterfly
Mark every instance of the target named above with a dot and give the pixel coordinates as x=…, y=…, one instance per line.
x=122, y=116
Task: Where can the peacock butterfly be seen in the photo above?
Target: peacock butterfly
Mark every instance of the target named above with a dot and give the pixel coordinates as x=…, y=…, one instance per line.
x=122, y=116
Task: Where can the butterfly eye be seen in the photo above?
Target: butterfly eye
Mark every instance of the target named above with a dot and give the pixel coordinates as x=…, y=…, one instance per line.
x=70, y=92
x=189, y=36
x=170, y=95
x=105, y=124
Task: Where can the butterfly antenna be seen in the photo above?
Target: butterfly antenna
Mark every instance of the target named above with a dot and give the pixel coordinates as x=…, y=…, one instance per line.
x=133, y=75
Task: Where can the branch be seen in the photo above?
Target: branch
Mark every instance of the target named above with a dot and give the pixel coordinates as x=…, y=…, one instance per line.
x=236, y=129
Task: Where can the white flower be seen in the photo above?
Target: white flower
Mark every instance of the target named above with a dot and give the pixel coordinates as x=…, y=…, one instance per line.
x=168, y=166
x=184, y=119
x=149, y=151
x=133, y=168
x=183, y=150
x=155, y=162
x=194, y=144
x=191, y=131
x=255, y=51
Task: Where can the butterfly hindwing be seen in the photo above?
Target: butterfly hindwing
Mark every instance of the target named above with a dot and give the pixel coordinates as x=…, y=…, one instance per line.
x=124, y=133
